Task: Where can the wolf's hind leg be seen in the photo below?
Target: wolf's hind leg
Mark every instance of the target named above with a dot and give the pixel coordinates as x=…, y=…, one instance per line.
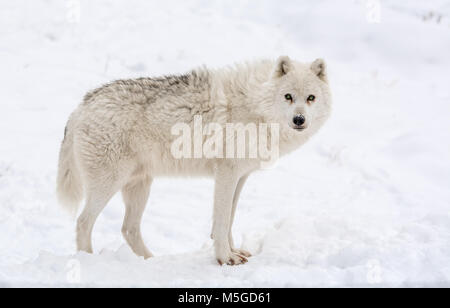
x=96, y=200
x=135, y=195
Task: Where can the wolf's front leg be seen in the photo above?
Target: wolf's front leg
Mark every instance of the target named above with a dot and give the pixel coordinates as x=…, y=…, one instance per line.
x=237, y=193
x=226, y=182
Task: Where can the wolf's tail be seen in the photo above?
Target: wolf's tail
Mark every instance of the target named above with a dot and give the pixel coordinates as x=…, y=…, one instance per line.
x=69, y=188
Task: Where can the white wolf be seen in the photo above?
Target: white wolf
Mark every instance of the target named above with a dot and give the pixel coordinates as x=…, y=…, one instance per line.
x=120, y=138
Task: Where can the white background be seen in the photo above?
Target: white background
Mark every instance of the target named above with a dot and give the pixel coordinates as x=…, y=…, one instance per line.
x=364, y=203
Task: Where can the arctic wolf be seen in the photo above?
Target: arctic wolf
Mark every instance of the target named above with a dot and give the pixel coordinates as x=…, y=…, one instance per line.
x=120, y=138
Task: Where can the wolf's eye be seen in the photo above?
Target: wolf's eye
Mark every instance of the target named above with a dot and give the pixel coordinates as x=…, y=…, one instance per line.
x=288, y=97
x=311, y=98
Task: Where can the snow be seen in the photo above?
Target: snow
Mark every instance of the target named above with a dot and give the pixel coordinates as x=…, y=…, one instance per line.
x=364, y=203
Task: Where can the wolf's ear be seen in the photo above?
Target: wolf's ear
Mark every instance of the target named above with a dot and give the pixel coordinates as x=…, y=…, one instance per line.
x=282, y=67
x=320, y=69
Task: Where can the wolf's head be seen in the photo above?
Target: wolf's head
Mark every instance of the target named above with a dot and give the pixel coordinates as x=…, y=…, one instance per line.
x=302, y=92
x=300, y=99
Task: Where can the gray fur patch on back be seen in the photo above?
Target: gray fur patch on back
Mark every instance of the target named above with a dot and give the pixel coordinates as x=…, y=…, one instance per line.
x=152, y=88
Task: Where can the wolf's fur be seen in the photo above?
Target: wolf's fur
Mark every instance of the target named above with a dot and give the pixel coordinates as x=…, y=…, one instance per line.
x=120, y=138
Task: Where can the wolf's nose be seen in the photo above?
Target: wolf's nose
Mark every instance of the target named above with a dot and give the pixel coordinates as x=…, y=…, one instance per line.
x=299, y=120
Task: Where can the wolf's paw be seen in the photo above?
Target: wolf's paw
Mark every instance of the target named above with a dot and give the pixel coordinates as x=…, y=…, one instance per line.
x=242, y=252
x=232, y=259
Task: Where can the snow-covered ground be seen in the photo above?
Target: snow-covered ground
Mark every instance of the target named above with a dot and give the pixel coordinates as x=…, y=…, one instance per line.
x=365, y=203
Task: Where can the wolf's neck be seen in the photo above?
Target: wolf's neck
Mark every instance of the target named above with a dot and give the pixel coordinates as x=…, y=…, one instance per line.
x=240, y=86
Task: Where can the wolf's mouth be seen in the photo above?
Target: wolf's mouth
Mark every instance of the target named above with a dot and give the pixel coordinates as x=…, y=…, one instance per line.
x=299, y=128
